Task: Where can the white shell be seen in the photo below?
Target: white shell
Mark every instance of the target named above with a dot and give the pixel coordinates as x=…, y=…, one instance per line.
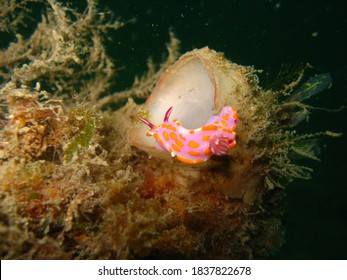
x=198, y=86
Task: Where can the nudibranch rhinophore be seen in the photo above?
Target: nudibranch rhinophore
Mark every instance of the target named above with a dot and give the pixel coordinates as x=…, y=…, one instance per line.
x=192, y=146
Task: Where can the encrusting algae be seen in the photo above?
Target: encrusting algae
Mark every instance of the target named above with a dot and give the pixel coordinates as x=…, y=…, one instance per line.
x=73, y=186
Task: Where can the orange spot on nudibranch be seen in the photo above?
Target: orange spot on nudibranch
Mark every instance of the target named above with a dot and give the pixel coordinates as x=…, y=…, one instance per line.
x=207, y=151
x=170, y=127
x=177, y=122
x=224, y=123
x=175, y=147
x=181, y=136
x=226, y=117
x=164, y=125
x=205, y=138
x=209, y=127
x=191, y=131
x=193, y=144
x=235, y=116
x=173, y=136
x=166, y=135
x=157, y=137
x=230, y=131
x=179, y=143
x=194, y=153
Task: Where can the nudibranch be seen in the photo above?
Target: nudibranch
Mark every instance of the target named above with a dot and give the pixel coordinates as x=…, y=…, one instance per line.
x=216, y=137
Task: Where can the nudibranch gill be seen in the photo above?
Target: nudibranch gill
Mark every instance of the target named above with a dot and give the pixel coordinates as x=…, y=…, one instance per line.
x=193, y=146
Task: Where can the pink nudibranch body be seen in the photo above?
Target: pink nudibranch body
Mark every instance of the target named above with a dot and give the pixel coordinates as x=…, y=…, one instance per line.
x=192, y=146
